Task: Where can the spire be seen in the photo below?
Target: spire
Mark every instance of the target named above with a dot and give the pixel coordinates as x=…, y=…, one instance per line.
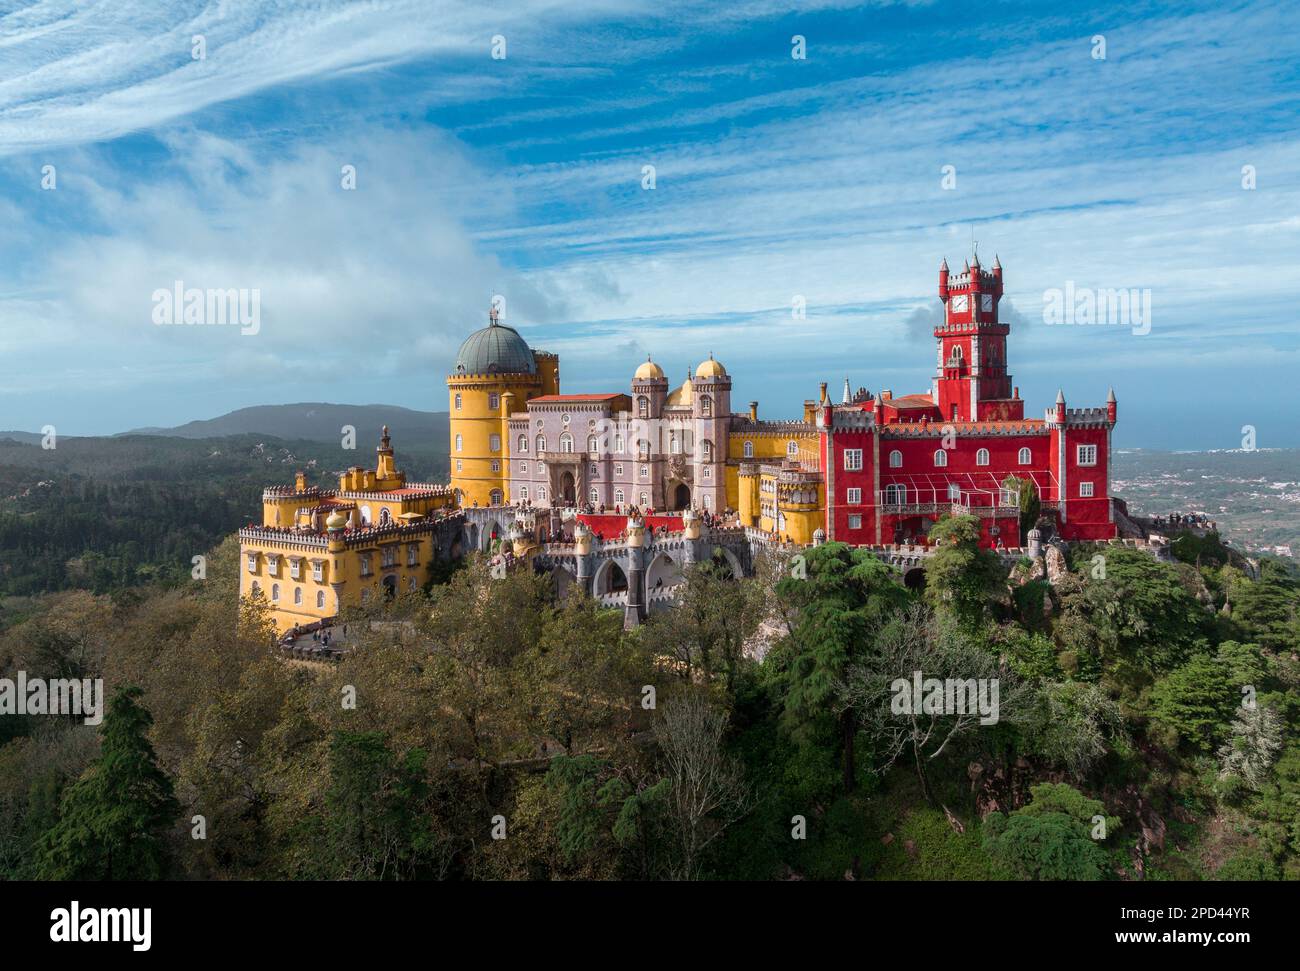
x=944, y=265
x=1060, y=396
x=1110, y=397
x=997, y=263
x=848, y=396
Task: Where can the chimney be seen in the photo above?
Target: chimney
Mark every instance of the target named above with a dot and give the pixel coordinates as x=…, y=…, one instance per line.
x=1015, y=392
x=823, y=397
x=300, y=481
x=753, y=411
x=886, y=395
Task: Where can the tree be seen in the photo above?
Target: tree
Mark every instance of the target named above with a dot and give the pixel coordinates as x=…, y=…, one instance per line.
x=844, y=598
x=1051, y=838
x=707, y=790
x=1252, y=747
x=1195, y=701
x=961, y=577
x=1073, y=724
x=1031, y=507
x=715, y=615
x=880, y=689
x=377, y=824
x=113, y=819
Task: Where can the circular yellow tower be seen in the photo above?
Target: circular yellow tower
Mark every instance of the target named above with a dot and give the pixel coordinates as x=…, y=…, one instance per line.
x=496, y=372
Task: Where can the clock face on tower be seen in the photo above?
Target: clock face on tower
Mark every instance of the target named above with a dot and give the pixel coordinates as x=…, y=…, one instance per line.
x=986, y=302
x=959, y=303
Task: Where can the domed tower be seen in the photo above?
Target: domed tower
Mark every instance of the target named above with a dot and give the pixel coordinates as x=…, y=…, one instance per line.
x=649, y=388
x=495, y=373
x=711, y=411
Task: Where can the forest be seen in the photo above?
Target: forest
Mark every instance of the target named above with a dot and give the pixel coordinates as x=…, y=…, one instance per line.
x=485, y=731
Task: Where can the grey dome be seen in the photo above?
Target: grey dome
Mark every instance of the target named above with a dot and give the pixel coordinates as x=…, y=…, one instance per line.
x=496, y=349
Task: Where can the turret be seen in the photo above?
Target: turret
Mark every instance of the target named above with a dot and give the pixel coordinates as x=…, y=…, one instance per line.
x=1060, y=406
x=1112, y=407
x=943, y=280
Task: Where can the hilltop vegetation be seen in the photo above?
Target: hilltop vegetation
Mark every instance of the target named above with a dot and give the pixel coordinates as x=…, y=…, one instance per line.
x=1146, y=728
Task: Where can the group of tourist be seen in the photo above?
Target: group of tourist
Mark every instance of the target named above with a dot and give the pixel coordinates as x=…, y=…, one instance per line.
x=1177, y=520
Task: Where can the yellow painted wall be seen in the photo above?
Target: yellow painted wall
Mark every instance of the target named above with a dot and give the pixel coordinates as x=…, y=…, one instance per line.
x=476, y=422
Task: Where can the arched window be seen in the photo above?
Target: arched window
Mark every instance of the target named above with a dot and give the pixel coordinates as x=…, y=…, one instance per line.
x=791, y=448
x=706, y=451
x=385, y=516
x=957, y=352
x=255, y=590
x=1026, y=457
x=940, y=458
x=496, y=497
x=645, y=500
x=982, y=457
x=541, y=493
x=275, y=591
x=297, y=595
x=706, y=406
x=541, y=444
x=618, y=496
x=708, y=501
x=320, y=599
x=643, y=407
x=895, y=494
x=895, y=459
x=749, y=450
x=523, y=493
x=365, y=515
x=523, y=443
x=460, y=443
x=593, y=496
x=593, y=445
x=566, y=442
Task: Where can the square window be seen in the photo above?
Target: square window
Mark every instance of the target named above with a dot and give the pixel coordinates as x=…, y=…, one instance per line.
x=855, y=522
x=1086, y=454
x=852, y=459
x=854, y=497
x=1085, y=490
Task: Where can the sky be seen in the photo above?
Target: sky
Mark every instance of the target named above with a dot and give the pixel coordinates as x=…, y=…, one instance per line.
x=1092, y=147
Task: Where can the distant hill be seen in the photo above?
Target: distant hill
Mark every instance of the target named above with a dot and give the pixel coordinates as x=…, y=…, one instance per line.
x=317, y=422
x=27, y=438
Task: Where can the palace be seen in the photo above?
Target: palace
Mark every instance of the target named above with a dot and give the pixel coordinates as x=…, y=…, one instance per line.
x=872, y=469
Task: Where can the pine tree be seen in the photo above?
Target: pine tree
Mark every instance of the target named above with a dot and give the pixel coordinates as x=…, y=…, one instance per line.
x=113, y=819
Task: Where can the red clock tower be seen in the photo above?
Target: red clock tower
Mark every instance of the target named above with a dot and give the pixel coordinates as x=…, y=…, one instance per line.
x=972, y=383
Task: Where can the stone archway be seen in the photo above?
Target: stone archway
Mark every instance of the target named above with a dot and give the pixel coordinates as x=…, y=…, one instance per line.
x=390, y=586
x=724, y=558
x=914, y=578
x=663, y=575
x=568, y=490
x=609, y=578
x=681, y=496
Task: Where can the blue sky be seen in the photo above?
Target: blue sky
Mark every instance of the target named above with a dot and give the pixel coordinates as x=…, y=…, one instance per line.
x=775, y=178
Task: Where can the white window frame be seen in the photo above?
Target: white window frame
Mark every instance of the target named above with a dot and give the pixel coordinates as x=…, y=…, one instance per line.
x=982, y=457
x=854, y=496
x=1085, y=490
x=853, y=460
x=895, y=459
x=1085, y=450
x=941, y=458
x=1026, y=457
